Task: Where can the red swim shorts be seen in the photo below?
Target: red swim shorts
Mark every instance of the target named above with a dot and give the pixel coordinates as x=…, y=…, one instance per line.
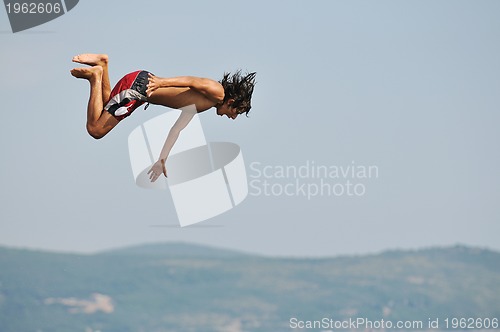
x=128, y=94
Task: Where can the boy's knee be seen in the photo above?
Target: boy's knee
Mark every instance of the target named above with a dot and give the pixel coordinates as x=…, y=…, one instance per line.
x=95, y=132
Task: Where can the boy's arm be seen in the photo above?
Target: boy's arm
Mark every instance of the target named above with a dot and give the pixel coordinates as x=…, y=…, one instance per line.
x=159, y=167
x=211, y=89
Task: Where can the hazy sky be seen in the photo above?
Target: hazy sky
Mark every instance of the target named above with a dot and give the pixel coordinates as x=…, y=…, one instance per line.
x=411, y=87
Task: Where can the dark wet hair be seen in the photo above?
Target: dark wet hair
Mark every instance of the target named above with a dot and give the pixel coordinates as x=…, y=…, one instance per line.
x=239, y=88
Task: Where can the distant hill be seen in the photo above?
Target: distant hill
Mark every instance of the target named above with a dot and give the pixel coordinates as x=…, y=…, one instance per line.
x=181, y=287
x=175, y=250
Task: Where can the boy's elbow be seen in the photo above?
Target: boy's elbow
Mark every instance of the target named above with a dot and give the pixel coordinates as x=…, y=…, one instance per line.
x=219, y=95
x=218, y=99
x=216, y=91
x=175, y=131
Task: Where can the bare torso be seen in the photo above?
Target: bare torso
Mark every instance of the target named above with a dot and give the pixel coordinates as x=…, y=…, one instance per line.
x=175, y=97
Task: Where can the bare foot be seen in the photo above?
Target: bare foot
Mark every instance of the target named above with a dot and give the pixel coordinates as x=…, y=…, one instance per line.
x=91, y=59
x=87, y=72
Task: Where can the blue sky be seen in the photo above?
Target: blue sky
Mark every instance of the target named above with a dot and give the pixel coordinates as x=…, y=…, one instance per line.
x=411, y=87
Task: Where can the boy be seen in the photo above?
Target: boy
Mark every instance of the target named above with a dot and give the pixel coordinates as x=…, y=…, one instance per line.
x=106, y=108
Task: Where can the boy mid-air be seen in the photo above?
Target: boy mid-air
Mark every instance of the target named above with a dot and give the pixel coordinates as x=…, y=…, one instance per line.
x=106, y=108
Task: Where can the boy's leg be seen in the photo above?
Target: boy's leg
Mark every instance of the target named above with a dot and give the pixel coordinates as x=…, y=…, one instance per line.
x=99, y=122
x=97, y=60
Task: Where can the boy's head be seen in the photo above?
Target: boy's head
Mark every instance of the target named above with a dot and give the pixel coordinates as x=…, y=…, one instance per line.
x=238, y=88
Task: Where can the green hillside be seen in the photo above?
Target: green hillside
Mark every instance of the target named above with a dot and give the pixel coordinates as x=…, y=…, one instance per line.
x=179, y=287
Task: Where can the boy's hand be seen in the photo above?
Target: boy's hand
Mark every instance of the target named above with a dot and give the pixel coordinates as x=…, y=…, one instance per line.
x=157, y=169
x=152, y=85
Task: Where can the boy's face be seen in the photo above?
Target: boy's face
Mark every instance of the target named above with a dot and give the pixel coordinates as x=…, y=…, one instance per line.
x=227, y=110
